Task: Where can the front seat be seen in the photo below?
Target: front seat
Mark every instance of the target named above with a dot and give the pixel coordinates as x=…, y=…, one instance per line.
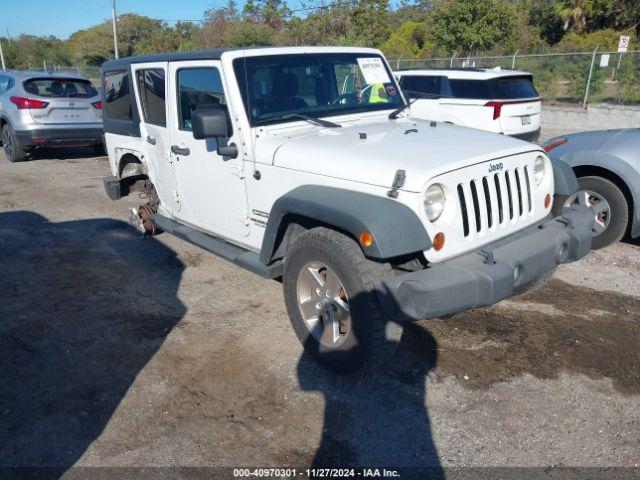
x=285, y=91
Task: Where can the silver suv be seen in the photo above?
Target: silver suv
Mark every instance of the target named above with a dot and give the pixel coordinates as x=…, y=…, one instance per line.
x=47, y=110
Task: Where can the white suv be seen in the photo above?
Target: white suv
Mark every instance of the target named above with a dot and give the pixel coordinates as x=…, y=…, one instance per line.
x=302, y=163
x=496, y=100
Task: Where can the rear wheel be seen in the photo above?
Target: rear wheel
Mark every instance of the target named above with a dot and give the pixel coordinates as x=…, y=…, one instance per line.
x=329, y=293
x=13, y=149
x=609, y=206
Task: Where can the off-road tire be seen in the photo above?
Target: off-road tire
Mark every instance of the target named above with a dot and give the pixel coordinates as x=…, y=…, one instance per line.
x=16, y=152
x=372, y=337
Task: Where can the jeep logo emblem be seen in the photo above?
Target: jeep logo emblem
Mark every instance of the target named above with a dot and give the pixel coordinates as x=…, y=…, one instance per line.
x=495, y=167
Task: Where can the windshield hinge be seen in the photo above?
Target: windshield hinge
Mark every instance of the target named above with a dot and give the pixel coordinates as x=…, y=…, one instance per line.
x=398, y=182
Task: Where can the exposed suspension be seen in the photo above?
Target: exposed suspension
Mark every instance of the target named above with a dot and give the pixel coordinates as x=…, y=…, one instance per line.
x=139, y=217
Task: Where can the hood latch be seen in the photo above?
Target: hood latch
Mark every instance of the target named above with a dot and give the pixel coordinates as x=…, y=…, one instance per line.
x=398, y=182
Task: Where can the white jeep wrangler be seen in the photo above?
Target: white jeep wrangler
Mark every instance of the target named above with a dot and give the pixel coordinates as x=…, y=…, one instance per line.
x=303, y=163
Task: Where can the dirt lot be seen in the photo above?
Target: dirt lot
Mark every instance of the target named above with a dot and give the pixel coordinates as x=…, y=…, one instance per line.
x=119, y=351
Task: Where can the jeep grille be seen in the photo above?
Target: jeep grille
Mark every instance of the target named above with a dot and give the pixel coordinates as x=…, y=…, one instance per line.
x=495, y=199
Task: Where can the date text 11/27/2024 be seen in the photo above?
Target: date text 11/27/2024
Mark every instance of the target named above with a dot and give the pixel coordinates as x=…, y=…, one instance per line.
x=316, y=473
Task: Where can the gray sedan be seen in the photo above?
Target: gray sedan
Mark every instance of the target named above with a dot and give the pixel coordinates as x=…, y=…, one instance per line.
x=607, y=164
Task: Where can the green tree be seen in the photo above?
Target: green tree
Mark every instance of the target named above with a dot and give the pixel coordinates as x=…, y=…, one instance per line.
x=371, y=23
x=217, y=22
x=410, y=41
x=29, y=51
x=328, y=25
x=246, y=33
x=473, y=25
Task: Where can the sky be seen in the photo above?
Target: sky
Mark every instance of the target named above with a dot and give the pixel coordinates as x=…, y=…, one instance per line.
x=63, y=17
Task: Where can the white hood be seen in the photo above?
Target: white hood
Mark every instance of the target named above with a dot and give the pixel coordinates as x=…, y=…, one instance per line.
x=373, y=152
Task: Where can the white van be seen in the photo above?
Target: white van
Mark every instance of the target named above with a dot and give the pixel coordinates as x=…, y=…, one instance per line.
x=496, y=100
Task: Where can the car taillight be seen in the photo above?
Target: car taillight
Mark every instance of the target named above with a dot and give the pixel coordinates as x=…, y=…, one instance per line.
x=97, y=105
x=497, y=108
x=22, y=103
x=555, y=144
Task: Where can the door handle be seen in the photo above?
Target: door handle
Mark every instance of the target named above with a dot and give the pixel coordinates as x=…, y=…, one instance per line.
x=180, y=151
x=151, y=140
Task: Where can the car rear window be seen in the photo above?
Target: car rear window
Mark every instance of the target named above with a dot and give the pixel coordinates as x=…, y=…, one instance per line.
x=514, y=87
x=470, y=89
x=60, y=88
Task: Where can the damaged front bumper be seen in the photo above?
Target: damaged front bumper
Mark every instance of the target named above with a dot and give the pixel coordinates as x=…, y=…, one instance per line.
x=491, y=274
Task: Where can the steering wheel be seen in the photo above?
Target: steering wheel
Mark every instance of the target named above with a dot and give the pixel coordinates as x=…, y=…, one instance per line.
x=342, y=97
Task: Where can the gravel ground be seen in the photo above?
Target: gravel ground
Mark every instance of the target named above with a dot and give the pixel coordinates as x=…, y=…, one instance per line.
x=119, y=351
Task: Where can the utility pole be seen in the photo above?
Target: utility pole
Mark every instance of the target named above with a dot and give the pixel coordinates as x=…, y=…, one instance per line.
x=114, y=17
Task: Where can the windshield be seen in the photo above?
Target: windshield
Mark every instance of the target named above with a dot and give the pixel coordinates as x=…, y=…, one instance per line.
x=60, y=87
x=315, y=85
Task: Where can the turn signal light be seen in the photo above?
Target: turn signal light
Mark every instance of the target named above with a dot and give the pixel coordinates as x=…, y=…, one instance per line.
x=23, y=103
x=547, y=201
x=366, y=239
x=438, y=241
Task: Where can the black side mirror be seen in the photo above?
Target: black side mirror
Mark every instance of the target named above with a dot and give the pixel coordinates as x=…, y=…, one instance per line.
x=214, y=122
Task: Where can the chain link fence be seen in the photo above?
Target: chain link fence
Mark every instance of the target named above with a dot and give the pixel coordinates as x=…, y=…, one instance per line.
x=92, y=73
x=561, y=78
x=571, y=79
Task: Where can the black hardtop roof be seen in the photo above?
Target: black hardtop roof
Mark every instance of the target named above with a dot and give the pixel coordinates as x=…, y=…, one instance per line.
x=213, y=54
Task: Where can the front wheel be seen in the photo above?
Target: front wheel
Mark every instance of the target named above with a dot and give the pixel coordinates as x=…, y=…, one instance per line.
x=609, y=207
x=331, y=302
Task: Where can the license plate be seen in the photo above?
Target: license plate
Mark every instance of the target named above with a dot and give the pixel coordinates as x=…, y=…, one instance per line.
x=526, y=120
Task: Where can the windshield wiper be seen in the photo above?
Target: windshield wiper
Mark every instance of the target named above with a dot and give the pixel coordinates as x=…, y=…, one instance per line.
x=309, y=118
x=415, y=96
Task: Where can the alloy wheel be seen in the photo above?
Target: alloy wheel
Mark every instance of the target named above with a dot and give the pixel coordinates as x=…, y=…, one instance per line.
x=7, y=142
x=598, y=205
x=323, y=304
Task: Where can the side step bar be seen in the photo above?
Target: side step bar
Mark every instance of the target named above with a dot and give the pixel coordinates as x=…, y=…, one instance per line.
x=238, y=255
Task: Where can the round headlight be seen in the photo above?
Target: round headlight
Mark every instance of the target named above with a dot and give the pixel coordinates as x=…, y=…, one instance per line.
x=539, y=169
x=434, y=202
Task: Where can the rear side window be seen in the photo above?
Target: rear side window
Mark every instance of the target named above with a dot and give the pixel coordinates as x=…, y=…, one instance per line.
x=116, y=95
x=470, y=89
x=430, y=85
x=60, y=88
x=198, y=88
x=151, y=86
x=514, y=87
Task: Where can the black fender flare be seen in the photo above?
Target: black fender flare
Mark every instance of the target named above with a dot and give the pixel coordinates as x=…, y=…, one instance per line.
x=395, y=228
x=564, y=178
